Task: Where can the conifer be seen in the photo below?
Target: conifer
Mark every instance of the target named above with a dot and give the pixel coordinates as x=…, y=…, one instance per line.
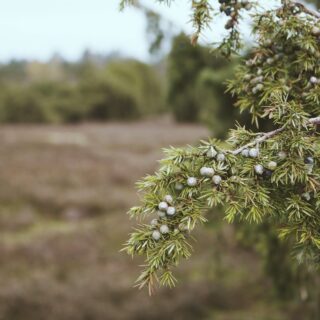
x=261, y=176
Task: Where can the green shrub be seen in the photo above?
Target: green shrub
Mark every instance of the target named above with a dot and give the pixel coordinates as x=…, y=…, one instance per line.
x=64, y=101
x=140, y=81
x=121, y=90
x=20, y=104
x=106, y=100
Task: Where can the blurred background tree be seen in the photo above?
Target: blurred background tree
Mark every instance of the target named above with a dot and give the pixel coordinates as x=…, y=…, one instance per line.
x=184, y=65
x=196, y=89
x=86, y=90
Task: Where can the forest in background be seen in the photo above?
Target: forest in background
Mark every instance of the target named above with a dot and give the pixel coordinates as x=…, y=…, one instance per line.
x=96, y=88
x=189, y=83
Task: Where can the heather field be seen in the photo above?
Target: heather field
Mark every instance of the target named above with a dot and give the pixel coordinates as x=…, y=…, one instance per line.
x=64, y=194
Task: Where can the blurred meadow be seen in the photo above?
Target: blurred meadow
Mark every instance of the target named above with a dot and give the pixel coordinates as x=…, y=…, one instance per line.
x=64, y=197
x=76, y=134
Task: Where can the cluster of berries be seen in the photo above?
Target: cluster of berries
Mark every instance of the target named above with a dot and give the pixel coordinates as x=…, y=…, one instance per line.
x=253, y=153
x=205, y=172
x=231, y=9
x=209, y=172
x=166, y=208
x=267, y=172
x=272, y=165
x=259, y=168
x=255, y=79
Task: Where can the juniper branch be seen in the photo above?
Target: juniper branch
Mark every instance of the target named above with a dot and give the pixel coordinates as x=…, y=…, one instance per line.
x=267, y=135
x=279, y=182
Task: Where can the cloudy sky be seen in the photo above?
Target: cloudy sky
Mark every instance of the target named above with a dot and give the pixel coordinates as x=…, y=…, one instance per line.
x=35, y=29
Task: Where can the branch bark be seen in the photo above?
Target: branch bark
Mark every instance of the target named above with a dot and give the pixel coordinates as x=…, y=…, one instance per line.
x=311, y=12
x=267, y=135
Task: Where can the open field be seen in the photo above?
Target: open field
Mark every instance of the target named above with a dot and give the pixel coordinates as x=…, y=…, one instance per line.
x=64, y=195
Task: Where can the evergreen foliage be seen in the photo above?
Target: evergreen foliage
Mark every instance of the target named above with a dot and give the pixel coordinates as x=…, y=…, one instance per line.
x=271, y=177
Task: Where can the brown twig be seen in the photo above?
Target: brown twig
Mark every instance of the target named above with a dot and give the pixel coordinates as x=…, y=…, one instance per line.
x=306, y=10
x=267, y=135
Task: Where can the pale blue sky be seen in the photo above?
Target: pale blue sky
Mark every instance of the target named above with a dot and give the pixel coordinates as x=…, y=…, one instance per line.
x=35, y=29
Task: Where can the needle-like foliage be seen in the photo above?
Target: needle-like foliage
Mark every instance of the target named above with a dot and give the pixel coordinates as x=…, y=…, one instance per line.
x=272, y=176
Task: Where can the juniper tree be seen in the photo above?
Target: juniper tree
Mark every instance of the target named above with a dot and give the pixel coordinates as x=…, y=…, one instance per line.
x=256, y=176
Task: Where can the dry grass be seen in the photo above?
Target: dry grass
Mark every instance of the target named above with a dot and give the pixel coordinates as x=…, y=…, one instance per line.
x=64, y=195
